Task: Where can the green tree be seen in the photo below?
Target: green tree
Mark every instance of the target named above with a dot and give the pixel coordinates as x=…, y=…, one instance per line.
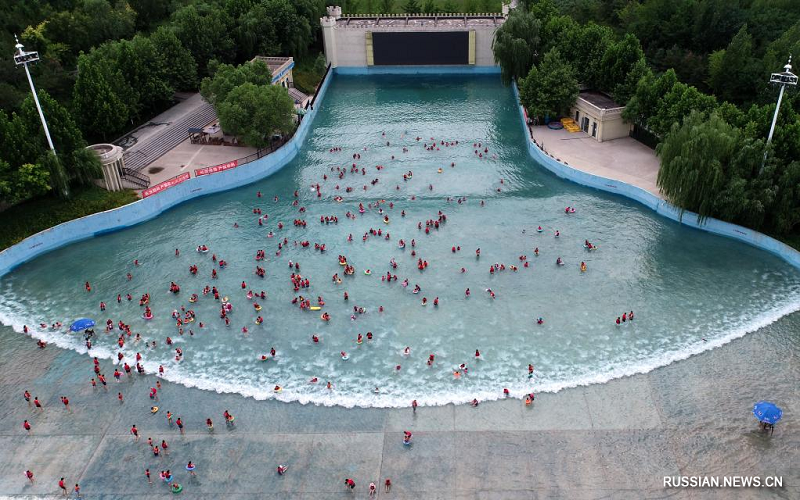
x=144, y=71
x=293, y=31
x=470, y=6
x=626, y=89
x=206, y=33
x=583, y=46
x=64, y=131
x=412, y=7
x=85, y=167
x=76, y=164
x=107, y=22
x=150, y=12
x=225, y=78
x=320, y=64
x=429, y=7
x=694, y=156
x=99, y=111
x=550, y=88
x=386, y=6
x=516, y=45
x=676, y=104
x=58, y=179
x=180, y=68
x=256, y=34
x=619, y=59
x=645, y=100
x=451, y=7
x=27, y=181
x=747, y=195
x=784, y=216
x=732, y=72
x=254, y=112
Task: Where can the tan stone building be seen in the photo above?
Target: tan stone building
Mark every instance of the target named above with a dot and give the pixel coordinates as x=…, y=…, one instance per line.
x=599, y=116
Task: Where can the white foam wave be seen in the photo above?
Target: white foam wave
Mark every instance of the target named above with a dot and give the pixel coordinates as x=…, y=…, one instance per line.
x=318, y=395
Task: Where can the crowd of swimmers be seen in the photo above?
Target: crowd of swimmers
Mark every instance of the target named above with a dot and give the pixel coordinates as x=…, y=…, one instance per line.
x=300, y=283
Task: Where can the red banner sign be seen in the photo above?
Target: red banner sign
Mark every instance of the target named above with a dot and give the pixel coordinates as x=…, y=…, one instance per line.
x=165, y=185
x=216, y=168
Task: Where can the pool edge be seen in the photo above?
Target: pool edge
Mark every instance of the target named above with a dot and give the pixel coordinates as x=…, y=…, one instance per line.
x=651, y=201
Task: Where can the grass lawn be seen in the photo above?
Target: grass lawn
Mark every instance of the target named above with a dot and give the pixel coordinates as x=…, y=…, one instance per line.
x=25, y=219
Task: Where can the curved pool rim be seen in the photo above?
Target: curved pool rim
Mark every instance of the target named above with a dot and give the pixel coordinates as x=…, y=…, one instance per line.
x=148, y=208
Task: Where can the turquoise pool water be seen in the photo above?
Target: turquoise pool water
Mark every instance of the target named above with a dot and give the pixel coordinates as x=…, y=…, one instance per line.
x=690, y=291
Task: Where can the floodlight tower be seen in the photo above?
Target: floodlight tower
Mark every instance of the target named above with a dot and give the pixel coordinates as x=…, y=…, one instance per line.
x=782, y=79
x=24, y=58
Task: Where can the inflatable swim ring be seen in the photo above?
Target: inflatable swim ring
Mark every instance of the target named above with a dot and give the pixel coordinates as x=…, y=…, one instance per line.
x=154, y=409
x=147, y=317
x=177, y=488
x=345, y=358
x=342, y=263
x=339, y=281
x=367, y=272
x=314, y=308
x=192, y=300
x=257, y=307
x=277, y=389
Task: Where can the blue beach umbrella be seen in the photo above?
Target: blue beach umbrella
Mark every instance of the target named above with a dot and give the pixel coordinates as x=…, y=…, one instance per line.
x=81, y=324
x=767, y=412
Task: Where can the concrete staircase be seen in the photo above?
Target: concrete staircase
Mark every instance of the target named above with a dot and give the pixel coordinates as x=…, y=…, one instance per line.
x=141, y=155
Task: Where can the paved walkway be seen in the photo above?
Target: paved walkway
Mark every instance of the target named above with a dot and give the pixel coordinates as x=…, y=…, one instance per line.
x=158, y=136
x=185, y=157
x=609, y=441
x=625, y=159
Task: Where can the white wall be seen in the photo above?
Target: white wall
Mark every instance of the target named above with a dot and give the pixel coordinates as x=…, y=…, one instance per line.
x=350, y=47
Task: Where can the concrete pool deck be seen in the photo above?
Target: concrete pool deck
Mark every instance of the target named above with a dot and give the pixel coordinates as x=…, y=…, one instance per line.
x=625, y=159
x=611, y=441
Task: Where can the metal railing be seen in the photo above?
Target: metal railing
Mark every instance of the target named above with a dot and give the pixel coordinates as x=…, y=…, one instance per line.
x=136, y=178
x=275, y=145
x=316, y=91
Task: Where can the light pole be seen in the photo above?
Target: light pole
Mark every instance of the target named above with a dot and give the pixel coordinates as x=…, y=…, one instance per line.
x=782, y=79
x=24, y=58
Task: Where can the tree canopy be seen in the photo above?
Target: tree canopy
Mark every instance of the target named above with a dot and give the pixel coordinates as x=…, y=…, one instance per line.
x=550, y=87
x=255, y=112
x=516, y=45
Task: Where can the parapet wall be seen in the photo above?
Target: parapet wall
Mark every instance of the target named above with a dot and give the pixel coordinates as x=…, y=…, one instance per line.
x=346, y=45
x=149, y=208
x=662, y=207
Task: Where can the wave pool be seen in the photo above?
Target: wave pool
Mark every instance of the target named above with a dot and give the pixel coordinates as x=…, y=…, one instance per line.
x=690, y=291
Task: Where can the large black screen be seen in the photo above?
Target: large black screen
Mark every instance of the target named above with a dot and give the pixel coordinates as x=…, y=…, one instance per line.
x=420, y=47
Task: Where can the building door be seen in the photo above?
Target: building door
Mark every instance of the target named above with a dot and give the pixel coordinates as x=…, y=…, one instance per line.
x=585, y=124
x=577, y=114
x=594, y=129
